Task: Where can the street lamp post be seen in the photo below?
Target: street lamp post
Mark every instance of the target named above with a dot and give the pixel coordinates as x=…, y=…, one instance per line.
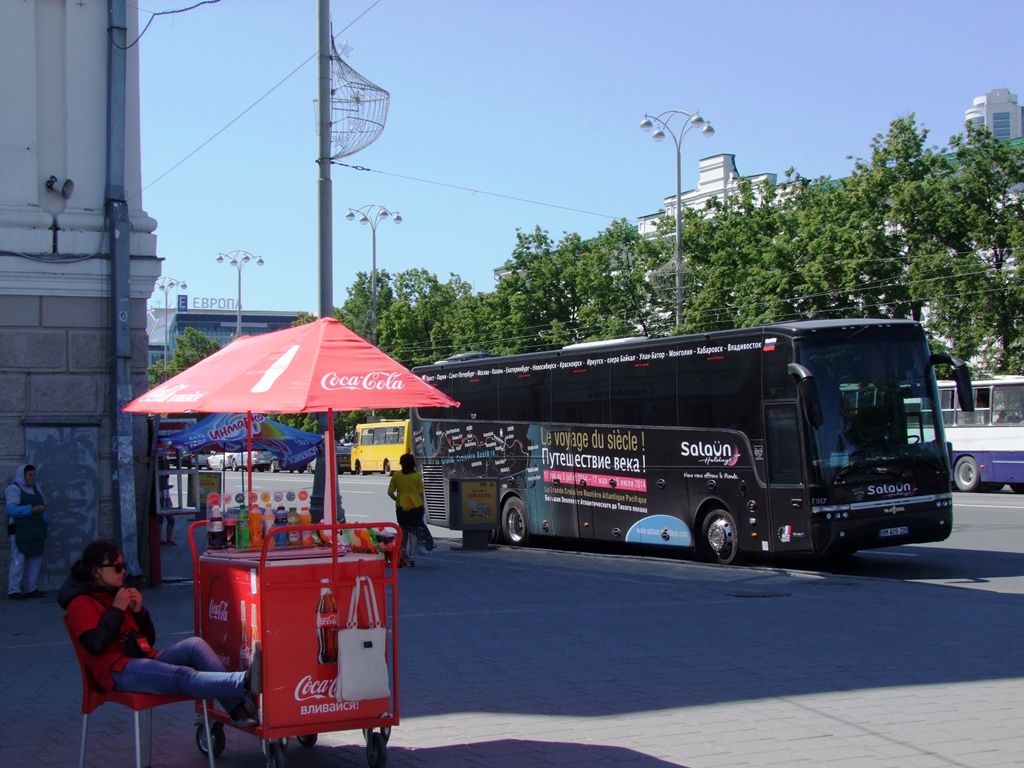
x=661, y=122
x=167, y=284
x=373, y=215
x=239, y=259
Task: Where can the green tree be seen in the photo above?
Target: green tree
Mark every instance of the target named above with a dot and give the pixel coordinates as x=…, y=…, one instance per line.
x=189, y=349
x=741, y=259
x=356, y=313
x=981, y=295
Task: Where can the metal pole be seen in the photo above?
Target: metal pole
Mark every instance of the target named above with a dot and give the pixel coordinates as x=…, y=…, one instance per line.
x=325, y=208
x=238, y=306
x=166, y=314
x=692, y=120
x=679, y=237
x=324, y=188
x=373, y=290
x=125, y=515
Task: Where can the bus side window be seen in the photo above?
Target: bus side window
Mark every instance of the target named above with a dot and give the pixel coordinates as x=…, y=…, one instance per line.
x=946, y=403
x=982, y=398
x=783, y=445
x=982, y=414
x=1007, y=404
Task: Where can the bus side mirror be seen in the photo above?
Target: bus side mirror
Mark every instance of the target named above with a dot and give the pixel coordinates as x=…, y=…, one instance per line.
x=962, y=377
x=807, y=390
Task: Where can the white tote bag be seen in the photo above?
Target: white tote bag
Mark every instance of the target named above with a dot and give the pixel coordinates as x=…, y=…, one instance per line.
x=362, y=653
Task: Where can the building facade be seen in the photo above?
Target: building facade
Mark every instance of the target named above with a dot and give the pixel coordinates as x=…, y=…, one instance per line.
x=165, y=325
x=718, y=178
x=67, y=337
x=999, y=111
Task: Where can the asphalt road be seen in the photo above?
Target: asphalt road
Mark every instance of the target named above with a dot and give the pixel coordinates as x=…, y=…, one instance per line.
x=985, y=551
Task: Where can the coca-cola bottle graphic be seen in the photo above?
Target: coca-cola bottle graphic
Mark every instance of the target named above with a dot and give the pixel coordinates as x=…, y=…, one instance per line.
x=326, y=626
x=244, y=646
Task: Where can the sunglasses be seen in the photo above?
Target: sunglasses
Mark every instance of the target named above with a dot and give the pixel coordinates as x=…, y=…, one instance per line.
x=118, y=567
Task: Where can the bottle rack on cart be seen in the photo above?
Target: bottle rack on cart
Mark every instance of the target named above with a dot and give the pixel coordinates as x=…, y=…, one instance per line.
x=270, y=599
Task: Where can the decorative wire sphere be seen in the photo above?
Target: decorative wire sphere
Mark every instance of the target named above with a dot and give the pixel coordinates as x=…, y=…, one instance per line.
x=663, y=281
x=359, y=108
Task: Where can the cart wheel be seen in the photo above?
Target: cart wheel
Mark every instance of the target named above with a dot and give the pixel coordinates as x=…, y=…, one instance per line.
x=216, y=733
x=376, y=751
x=385, y=733
x=307, y=741
x=275, y=755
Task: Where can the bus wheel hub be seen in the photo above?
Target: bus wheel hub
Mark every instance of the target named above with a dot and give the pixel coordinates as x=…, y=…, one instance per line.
x=720, y=535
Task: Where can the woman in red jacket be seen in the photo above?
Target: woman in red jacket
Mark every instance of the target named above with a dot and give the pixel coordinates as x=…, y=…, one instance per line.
x=116, y=630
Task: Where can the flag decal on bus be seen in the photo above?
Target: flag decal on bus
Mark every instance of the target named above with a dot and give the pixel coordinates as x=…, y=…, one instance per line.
x=769, y=345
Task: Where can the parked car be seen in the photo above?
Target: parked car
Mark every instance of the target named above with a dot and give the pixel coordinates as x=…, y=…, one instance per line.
x=305, y=467
x=343, y=451
x=343, y=454
x=194, y=459
x=222, y=461
x=261, y=461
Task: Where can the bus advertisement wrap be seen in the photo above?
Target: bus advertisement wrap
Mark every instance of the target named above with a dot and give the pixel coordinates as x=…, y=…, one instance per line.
x=816, y=437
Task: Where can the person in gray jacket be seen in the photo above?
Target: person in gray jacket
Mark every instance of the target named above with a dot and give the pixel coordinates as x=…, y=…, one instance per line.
x=27, y=524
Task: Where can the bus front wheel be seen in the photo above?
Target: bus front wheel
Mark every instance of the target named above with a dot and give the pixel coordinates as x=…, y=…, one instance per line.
x=966, y=475
x=513, y=523
x=720, y=538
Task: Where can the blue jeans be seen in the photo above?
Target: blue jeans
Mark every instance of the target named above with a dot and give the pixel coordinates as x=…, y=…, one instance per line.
x=190, y=668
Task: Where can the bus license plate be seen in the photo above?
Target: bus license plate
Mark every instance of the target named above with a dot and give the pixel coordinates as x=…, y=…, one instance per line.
x=902, y=530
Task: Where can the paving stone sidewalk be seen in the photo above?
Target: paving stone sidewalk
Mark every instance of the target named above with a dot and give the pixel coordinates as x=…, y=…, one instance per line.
x=513, y=658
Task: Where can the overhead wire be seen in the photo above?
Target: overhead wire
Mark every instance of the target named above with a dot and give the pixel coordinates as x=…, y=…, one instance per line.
x=335, y=162
x=250, y=107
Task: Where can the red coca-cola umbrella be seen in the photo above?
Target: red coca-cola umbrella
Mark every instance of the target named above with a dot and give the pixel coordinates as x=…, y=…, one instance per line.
x=313, y=368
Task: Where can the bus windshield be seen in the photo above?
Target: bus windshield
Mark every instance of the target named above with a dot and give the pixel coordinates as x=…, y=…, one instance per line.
x=879, y=410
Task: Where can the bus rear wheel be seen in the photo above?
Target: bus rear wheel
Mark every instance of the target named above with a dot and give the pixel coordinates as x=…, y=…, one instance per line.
x=514, y=527
x=720, y=538
x=966, y=475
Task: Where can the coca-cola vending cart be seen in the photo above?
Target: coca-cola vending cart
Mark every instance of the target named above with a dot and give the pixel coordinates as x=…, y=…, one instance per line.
x=289, y=601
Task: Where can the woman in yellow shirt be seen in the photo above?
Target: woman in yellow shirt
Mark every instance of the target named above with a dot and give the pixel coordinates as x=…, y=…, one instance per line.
x=406, y=488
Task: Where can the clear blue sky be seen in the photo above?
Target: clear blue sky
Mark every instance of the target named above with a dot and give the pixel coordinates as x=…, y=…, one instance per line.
x=532, y=99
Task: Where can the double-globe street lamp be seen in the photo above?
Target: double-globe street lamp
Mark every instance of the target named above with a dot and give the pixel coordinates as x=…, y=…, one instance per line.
x=373, y=215
x=167, y=284
x=239, y=259
x=661, y=123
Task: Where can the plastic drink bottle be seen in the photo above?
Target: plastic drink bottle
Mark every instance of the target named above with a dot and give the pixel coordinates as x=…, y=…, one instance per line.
x=215, y=530
x=255, y=528
x=294, y=537
x=305, y=518
x=230, y=523
x=281, y=518
x=268, y=524
x=242, y=528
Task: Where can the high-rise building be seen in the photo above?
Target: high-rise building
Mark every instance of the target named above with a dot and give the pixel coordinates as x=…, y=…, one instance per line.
x=999, y=111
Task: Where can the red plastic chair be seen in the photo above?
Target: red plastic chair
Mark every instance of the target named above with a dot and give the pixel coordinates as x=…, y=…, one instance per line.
x=93, y=696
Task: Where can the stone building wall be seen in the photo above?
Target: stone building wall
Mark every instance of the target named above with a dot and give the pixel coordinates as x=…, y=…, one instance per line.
x=57, y=407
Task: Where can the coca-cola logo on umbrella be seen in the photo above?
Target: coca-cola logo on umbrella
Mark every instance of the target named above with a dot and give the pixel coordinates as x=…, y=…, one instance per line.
x=376, y=380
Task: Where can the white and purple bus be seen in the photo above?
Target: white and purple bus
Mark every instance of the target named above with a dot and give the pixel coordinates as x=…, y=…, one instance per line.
x=988, y=442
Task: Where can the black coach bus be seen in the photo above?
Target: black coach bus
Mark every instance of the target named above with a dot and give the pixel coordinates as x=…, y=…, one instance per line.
x=816, y=437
